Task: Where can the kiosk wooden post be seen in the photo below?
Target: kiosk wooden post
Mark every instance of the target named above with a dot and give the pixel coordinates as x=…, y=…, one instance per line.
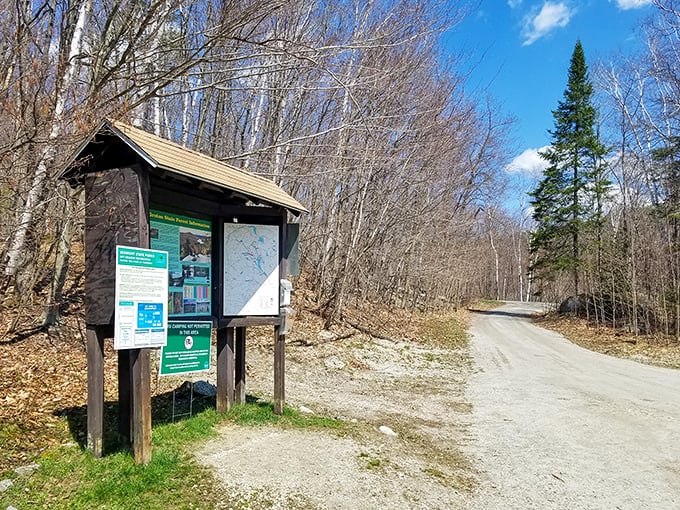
x=95, y=390
x=279, y=370
x=240, y=366
x=225, y=369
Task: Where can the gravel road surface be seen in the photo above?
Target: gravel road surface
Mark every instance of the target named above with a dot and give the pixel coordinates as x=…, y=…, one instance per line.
x=558, y=426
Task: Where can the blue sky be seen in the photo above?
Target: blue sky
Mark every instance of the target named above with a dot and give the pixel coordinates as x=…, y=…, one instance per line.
x=521, y=51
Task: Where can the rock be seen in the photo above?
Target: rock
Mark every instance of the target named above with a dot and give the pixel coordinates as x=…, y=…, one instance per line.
x=341, y=418
x=306, y=410
x=205, y=388
x=26, y=470
x=5, y=484
x=573, y=305
x=10, y=507
x=387, y=431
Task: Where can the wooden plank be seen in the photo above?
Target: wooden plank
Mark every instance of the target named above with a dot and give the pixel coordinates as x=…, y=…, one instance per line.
x=225, y=369
x=95, y=390
x=292, y=250
x=124, y=398
x=240, y=368
x=141, y=409
x=279, y=371
x=237, y=322
x=112, y=201
x=141, y=366
x=171, y=194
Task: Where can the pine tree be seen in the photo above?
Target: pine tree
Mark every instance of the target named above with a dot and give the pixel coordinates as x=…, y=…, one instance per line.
x=568, y=200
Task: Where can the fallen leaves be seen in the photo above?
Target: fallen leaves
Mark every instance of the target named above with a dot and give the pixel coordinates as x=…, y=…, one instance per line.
x=652, y=350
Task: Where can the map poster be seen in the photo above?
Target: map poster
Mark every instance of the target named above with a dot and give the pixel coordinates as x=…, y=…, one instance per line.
x=188, y=348
x=251, y=269
x=188, y=242
x=141, y=314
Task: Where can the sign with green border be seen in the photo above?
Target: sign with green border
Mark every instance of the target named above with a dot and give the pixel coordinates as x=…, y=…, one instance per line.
x=187, y=349
x=141, y=313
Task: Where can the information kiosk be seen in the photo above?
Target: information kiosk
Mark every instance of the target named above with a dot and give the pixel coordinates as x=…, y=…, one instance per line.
x=219, y=233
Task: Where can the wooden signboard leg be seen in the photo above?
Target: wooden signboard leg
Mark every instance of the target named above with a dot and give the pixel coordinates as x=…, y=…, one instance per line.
x=240, y=389
x=279, y=370
x=95, y=390
x=225, y=369
x=141, y=411
x=124, y=397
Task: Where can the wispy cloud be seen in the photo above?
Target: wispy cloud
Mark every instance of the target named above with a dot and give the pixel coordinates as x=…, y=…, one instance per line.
x=528, y=163
x=514, y=4
x=625, y=5
x=540, y=22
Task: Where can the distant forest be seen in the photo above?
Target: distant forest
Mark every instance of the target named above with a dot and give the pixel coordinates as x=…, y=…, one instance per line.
x=353, y=108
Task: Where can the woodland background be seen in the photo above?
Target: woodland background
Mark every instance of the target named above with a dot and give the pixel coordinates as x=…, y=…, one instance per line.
x=354, y=108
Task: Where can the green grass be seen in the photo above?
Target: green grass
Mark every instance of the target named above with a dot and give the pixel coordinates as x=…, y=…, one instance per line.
x=69, y=477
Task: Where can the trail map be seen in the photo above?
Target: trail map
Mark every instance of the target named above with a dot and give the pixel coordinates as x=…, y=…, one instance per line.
x=251, y=269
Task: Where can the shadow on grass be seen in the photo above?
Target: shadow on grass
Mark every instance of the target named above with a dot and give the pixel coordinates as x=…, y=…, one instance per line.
x=162, y=412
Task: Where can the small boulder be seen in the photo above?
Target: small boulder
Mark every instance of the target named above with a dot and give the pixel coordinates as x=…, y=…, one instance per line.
x=387, y=431
x=306, y=410
x=5, y=484
x=26, y=470
x=205, y=388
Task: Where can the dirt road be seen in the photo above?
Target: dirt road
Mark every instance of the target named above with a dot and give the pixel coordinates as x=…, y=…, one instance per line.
x=522, y=420
x=557, y=426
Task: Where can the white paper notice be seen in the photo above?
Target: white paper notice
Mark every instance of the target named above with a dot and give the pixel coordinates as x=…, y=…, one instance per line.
x=141, y=318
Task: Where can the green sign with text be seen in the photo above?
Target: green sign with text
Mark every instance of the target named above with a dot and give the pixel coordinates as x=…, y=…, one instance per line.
x=188, y=348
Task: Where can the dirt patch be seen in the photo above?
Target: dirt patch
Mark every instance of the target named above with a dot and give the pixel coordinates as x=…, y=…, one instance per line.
x=417, y=390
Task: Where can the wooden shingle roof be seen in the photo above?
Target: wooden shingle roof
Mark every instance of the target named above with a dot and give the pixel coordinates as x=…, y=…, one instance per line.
x=171, y=157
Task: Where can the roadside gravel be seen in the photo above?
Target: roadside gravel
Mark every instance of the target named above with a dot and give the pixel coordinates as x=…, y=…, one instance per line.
x=416, y=391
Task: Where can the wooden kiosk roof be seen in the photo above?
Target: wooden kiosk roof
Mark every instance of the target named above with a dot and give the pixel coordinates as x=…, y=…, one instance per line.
x=165, y=155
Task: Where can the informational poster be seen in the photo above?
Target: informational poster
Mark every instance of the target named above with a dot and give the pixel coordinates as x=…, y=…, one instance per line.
x=188, y=348
x=188, y=242
x=251, y=269
x=141, y=314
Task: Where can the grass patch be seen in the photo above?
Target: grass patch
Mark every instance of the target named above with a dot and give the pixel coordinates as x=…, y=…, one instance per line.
x=262, y=413
x=369, y=462
x=446, y=330
x=69, y=477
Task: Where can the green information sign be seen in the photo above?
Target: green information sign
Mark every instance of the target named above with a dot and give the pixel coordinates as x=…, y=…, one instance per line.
x=188, y=348
x=188, y=242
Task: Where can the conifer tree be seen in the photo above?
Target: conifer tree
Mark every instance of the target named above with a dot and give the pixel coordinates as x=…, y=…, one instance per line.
x=567, y=201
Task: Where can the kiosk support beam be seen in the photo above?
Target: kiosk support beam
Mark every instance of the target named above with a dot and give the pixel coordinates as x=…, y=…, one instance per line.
x=95, y=390
x=124, y=397
x=240, y=389
x=141, y=409
x=225, y=369
x=279, y=370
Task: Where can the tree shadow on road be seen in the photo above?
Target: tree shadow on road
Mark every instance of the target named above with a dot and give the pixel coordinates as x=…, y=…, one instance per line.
x=500, y=313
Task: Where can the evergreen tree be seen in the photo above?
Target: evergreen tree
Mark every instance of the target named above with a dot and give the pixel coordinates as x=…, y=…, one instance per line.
x=568, y=200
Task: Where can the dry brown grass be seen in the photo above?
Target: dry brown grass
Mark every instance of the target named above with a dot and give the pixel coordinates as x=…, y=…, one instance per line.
x=653, y=350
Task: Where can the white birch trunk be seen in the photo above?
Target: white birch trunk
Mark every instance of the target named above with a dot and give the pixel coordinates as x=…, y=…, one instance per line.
x=18, y=243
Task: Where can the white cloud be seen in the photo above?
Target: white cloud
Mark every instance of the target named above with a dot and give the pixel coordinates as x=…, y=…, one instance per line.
x=539, y=23
x=513, y=4
x=528, y=163
x=632, y=4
